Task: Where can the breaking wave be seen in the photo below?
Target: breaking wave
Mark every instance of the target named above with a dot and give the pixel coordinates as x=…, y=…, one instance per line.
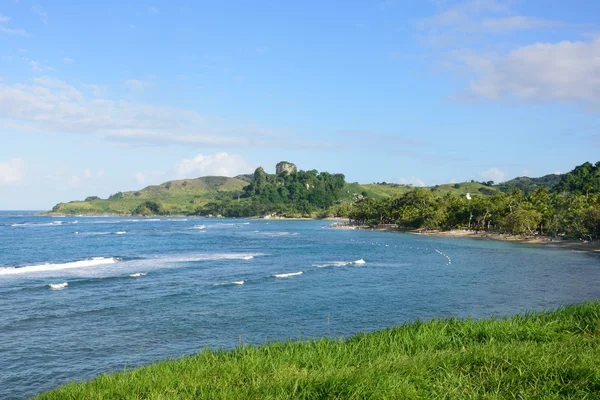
x=58, y=286
x=340, y=263
x=288, y=275
x=90, y=262
x=234, y=283
x=54, y=223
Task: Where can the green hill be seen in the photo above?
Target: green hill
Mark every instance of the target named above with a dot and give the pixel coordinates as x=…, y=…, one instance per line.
x=174, y=197
x=528, y=185
x=294, y=193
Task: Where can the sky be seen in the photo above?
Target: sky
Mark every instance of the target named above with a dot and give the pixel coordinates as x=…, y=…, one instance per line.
x=101, y=97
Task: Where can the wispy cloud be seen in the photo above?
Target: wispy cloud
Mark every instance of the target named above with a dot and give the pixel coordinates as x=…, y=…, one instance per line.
x=36, y=66
x=137, y=84
x=39, y=11
x=68, y=60
x=469, y=21
x=48, y=105
x=10, y=31
x=466, y=37
x=153, y=10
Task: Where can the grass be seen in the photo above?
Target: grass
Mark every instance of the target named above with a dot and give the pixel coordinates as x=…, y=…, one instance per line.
x=176, y=197
x=553, y=355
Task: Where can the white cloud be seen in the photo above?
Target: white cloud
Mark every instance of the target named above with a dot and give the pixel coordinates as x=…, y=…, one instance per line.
x=484, y=17
x=38, y=67
x=413, y=180
x=49, y=105
x=136, y=84
x=153, y=10
x=565, y=71
x=140, y=178
x=68, y=60
x=219, y=164
x=468, y=33
x=11, y=171
x=493, y=174
x=10, y=31
x=39, y=11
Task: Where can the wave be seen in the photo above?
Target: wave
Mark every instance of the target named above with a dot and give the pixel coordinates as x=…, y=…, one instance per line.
x=211, y=257
x=199, y=227
x=278, y=234
x=287, y=275
x=32, y=224
x=340, y=263
x=234, y=283
x=48, y=267
x=138, y=274
x=100, y=233
x=58, y=286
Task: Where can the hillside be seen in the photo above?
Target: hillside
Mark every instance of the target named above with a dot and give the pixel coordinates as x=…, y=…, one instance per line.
x=297, y=193
x=174, y=197
x=528, y=185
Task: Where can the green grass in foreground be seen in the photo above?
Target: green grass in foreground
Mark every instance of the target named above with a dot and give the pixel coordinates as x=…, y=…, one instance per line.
x=550, y=355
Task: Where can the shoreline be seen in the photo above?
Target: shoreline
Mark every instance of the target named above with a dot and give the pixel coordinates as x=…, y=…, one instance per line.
x=545, y=241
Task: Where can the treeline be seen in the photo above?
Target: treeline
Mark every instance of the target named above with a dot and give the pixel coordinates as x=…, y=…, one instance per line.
x=571, y=209
x=300, y=193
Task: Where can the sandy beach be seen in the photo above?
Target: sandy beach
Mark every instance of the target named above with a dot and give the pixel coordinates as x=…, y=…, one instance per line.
x=577, y=245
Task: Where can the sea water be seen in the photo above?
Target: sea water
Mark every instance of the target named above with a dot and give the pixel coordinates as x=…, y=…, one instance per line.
x=81, y=296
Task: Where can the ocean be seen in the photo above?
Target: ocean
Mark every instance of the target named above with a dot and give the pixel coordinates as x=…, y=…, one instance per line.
x=82, y=296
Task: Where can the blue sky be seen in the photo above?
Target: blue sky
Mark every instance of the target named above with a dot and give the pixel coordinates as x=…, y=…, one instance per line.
x=100, y=97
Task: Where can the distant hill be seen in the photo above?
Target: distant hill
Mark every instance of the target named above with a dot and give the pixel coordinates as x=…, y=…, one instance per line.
x=174, y=197
x=295, y=192
x=528, y=185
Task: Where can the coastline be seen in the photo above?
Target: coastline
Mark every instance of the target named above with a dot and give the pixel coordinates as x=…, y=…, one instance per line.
x=546, y=241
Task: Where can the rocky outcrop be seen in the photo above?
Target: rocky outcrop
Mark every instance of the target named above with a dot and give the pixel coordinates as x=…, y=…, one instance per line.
x=285, y=166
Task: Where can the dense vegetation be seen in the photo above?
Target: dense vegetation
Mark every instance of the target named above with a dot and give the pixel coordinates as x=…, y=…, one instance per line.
x=554, y=355
x=297, y=193
x=571, y=209
x=565, y=205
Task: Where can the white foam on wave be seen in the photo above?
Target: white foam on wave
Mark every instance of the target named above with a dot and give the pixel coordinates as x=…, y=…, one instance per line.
x=199, y=227
x=30, y=224
x=340, y=263
x=288, y=275
x=120, y=233
x=234, y=283
x=278, y=234
x=90, y=262
x=208, y=257
x=138, y=274
x=58, y=286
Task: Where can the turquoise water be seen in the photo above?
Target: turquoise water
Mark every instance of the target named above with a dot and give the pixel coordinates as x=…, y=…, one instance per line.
x=144, y=289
